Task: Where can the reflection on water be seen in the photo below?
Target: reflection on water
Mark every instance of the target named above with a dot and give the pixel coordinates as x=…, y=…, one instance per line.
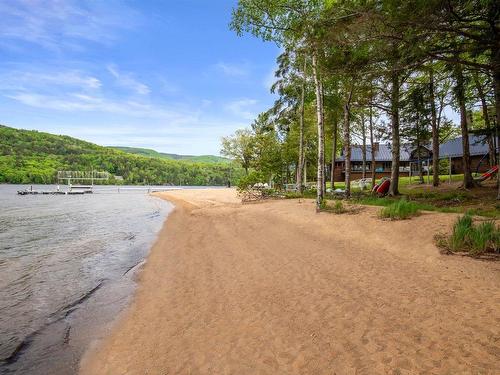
x=66, y=269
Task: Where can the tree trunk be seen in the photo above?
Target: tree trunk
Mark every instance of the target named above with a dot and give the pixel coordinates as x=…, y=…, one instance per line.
x=435, y=132
x=323, y=143
x=460, y=97
x=363, y=147
x=420, y=171
x=394, y=188
x=419, y=162
x=495, y=62
x=321, y=135
x=347, y=145
x=334, y=151
x=486, y=117
x=372, y=146
x=301, y=135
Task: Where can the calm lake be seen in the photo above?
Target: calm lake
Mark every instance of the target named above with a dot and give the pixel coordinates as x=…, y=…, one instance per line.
x=67, y=268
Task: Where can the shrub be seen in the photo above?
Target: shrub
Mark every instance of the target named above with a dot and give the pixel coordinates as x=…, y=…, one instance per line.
x=249, y=180
x=399, y=210
x=444, y=166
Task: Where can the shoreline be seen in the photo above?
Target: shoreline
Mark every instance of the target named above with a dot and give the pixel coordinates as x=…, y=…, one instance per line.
x=275, y=288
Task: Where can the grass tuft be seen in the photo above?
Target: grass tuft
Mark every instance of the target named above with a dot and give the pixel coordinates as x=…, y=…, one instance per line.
x=400, y=210
x=474, y=239
x=338, y=207
x=483, y=237
x=461, y=231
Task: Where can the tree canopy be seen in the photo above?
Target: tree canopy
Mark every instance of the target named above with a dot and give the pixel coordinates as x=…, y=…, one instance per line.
x=387, y=68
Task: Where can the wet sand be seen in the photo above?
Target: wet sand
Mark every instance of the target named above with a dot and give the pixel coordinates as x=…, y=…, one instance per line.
x=274, y=288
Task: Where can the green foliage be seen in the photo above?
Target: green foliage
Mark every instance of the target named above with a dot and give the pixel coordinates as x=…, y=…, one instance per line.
x=475, y=239
x=484, y=236
x=402, y=209
x=155, y=154
x=444, y=166
x=460, y=234
x=293, y=195
x=240, y=147
x=338, y=207
x=323, y=205
x=250, y=180
x=34, y=157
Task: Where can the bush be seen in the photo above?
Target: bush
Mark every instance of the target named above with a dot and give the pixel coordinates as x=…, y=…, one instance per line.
x=250, y=180
x=444, y=166
x=399, y=210
x=475, y=239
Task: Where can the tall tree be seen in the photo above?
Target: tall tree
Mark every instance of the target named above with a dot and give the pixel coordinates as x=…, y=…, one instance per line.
x=289, y=23
x=372, y=146
x=396, y=148
x=459, y=90
x=240, y=147
x=486, y=117
x=435, y=130
x=347, y=143
x=363, y=145
x=334, y=151
x=300, y=167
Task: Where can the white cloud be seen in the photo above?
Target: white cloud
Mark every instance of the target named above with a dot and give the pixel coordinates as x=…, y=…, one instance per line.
x=71, y=78
x=57, y=24
x=233, y=70
x=82, y=102
x=126, y=80
x=243, y=108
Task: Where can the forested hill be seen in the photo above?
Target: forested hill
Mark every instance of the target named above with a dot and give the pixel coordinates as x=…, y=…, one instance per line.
x=155, y=154
x=28, y=156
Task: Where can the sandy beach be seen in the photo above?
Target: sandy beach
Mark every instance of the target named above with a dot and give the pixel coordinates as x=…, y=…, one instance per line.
x=275, y=288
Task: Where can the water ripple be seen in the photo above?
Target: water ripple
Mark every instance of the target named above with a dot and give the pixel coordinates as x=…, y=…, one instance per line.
x=64, y=269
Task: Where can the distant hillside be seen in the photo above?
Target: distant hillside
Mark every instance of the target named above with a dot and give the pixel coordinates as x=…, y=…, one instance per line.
x=155, y=154
x=28, y=156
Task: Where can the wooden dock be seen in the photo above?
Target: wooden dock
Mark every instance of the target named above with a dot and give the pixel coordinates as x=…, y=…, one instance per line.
x=82, y=189
x=55, y=192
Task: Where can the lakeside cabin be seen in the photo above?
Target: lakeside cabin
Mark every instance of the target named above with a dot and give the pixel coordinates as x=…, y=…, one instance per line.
x=410, y=156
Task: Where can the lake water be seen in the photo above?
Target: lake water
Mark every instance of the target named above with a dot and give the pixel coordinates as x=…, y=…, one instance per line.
x=67, y=268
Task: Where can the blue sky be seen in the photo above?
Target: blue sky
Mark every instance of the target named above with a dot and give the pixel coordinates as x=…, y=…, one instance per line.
x=167, y=75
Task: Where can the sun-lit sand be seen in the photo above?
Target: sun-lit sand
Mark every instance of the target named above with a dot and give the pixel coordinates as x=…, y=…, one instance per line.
x=274, y=288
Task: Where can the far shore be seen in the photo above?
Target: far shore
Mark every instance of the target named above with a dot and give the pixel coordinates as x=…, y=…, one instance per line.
x=275, y=288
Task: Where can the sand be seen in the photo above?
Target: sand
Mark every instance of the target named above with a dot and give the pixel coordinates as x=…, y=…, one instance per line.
x=275, y=288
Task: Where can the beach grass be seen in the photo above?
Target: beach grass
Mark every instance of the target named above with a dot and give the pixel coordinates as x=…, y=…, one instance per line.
x=467, y=236
x=337, y=207
x=400, y=210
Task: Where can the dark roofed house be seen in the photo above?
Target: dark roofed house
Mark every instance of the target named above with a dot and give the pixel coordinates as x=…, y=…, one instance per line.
x=478, y=148
x=409, y=156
